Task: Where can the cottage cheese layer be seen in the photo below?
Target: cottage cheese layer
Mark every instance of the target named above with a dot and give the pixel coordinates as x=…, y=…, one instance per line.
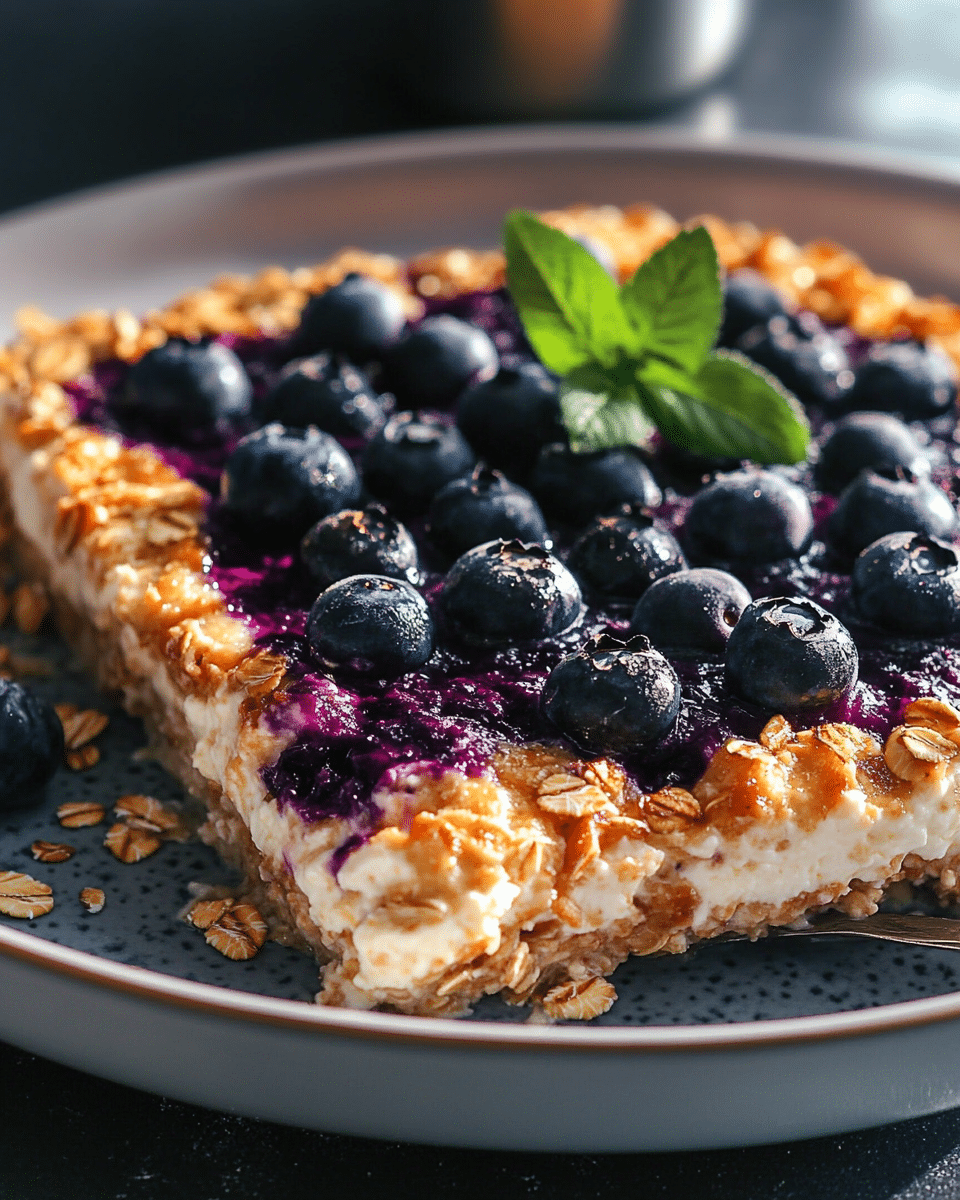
x=536, y=878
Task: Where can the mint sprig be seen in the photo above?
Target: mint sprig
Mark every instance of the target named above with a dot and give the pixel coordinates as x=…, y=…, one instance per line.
x=641, y=356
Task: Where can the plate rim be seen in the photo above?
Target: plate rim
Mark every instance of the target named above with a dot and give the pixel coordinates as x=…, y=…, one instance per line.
x=836, y=158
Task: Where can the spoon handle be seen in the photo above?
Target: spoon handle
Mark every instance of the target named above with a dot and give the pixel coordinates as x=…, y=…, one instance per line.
x=913, y=929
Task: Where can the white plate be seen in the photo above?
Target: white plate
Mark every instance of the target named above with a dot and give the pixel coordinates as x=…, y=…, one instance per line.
x=485, y=1083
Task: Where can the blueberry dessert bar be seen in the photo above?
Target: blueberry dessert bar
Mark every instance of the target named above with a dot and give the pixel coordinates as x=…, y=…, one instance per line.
x=512, y=615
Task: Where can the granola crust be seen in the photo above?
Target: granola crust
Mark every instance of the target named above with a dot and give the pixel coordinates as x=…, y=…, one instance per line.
x=578, y=869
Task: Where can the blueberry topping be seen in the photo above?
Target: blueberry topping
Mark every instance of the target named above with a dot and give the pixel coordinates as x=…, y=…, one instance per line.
x=328, y=392
x=434, y=362
x=279, y=481
x=909, y=583
x=816, y=369
x=508, y=419
x=619, y=557
x=369, y=623
x=913, y=380
x=577, y=487
x=365, y=541
x=787, y=653
x=186, y=389
x=612, y=695
x=504, y=593
x=874, y=505
x=749, y=516
x=692, y=611
x=748, y=300
x=411, y=459
x=482, y=507
x=867, y=440
x=31, y=745
x=359, y=317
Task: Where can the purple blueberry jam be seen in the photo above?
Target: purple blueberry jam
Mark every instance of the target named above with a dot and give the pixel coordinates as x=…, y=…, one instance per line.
x=352, y=735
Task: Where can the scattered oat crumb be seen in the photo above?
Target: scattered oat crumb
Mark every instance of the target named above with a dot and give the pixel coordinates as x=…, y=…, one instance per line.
x=30, y=665
x=93, y=899
x=81, y=726
x=147, y=813
x=6, y=603
x=233, y=927
x=130, y=844
x=30, y=606
x=23, y=896
x=52, y=852
x=84, y=758
x=77, y=814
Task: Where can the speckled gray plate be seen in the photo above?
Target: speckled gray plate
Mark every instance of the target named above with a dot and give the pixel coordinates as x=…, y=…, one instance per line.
x=731, y=1045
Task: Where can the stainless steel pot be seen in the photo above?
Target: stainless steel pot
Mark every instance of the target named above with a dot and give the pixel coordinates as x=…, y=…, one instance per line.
x=535, y=58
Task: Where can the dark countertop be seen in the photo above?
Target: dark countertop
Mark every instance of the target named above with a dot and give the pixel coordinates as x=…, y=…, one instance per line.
x=108, y=89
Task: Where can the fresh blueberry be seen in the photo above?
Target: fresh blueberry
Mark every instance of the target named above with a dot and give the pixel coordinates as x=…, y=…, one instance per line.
x=365, y=541
x=816, y=369
x=328, y=392
x=371, y=624
x=359, y=317
x=619, y=557
x=749, y=516
x=914, y=380
x=279, y=481
x=612, y=695
x=31, y=745
x=867, y=440
x=875, y=505
x=412, y=458
x=577, y=487
x=692, y=611
x=787, y=653
x=187, y=389
x=508, y=419
x=435, y=361
x=748, y=300
x=503, y=593
x=482, y=507
x=909, y=583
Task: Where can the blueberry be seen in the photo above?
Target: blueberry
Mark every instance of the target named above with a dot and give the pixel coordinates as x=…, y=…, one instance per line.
x=411, y=459
x=328, y=392
x=503, y=593
x=749, y=516
x=365, y=541
x=359, y=317
x=867, y=440
x=875, y=505
x=434, y=362
x=748, y=300
x=816, y=369
x=692, y=611
x=909, y=583
x=914, y=380
x=187, y=388
x=508, y=419
x=371, y=624
x=619, y=557
x=576, y=487
x=481, y=507
x=280, y=481
x=787, y=653
x=31, y=745
x=612, y=695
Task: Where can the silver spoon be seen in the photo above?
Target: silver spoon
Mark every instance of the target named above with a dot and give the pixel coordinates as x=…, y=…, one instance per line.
x=912, y=929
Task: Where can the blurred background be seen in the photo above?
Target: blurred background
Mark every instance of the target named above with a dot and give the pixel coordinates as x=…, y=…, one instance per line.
x=95, y=91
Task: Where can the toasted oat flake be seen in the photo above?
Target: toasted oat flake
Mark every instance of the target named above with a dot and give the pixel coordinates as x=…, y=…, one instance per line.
x=23, y=896
x=30, y=606
x=233, y=927
x=81, y=727
x=130, y=844
x=913, y=752
x=78, y=814
x=146, y=813
x=581, y=1000
x=84, y=758
x=205, y=912
x=93, y=899
x=52, y=852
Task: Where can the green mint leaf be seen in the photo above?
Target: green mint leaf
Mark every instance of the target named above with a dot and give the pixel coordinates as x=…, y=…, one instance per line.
x=675, y=301
x=598, y=413
x=731, y=408
x=569, y=306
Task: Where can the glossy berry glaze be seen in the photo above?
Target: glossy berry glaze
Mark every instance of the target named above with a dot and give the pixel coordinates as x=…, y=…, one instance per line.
x=351, y=736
